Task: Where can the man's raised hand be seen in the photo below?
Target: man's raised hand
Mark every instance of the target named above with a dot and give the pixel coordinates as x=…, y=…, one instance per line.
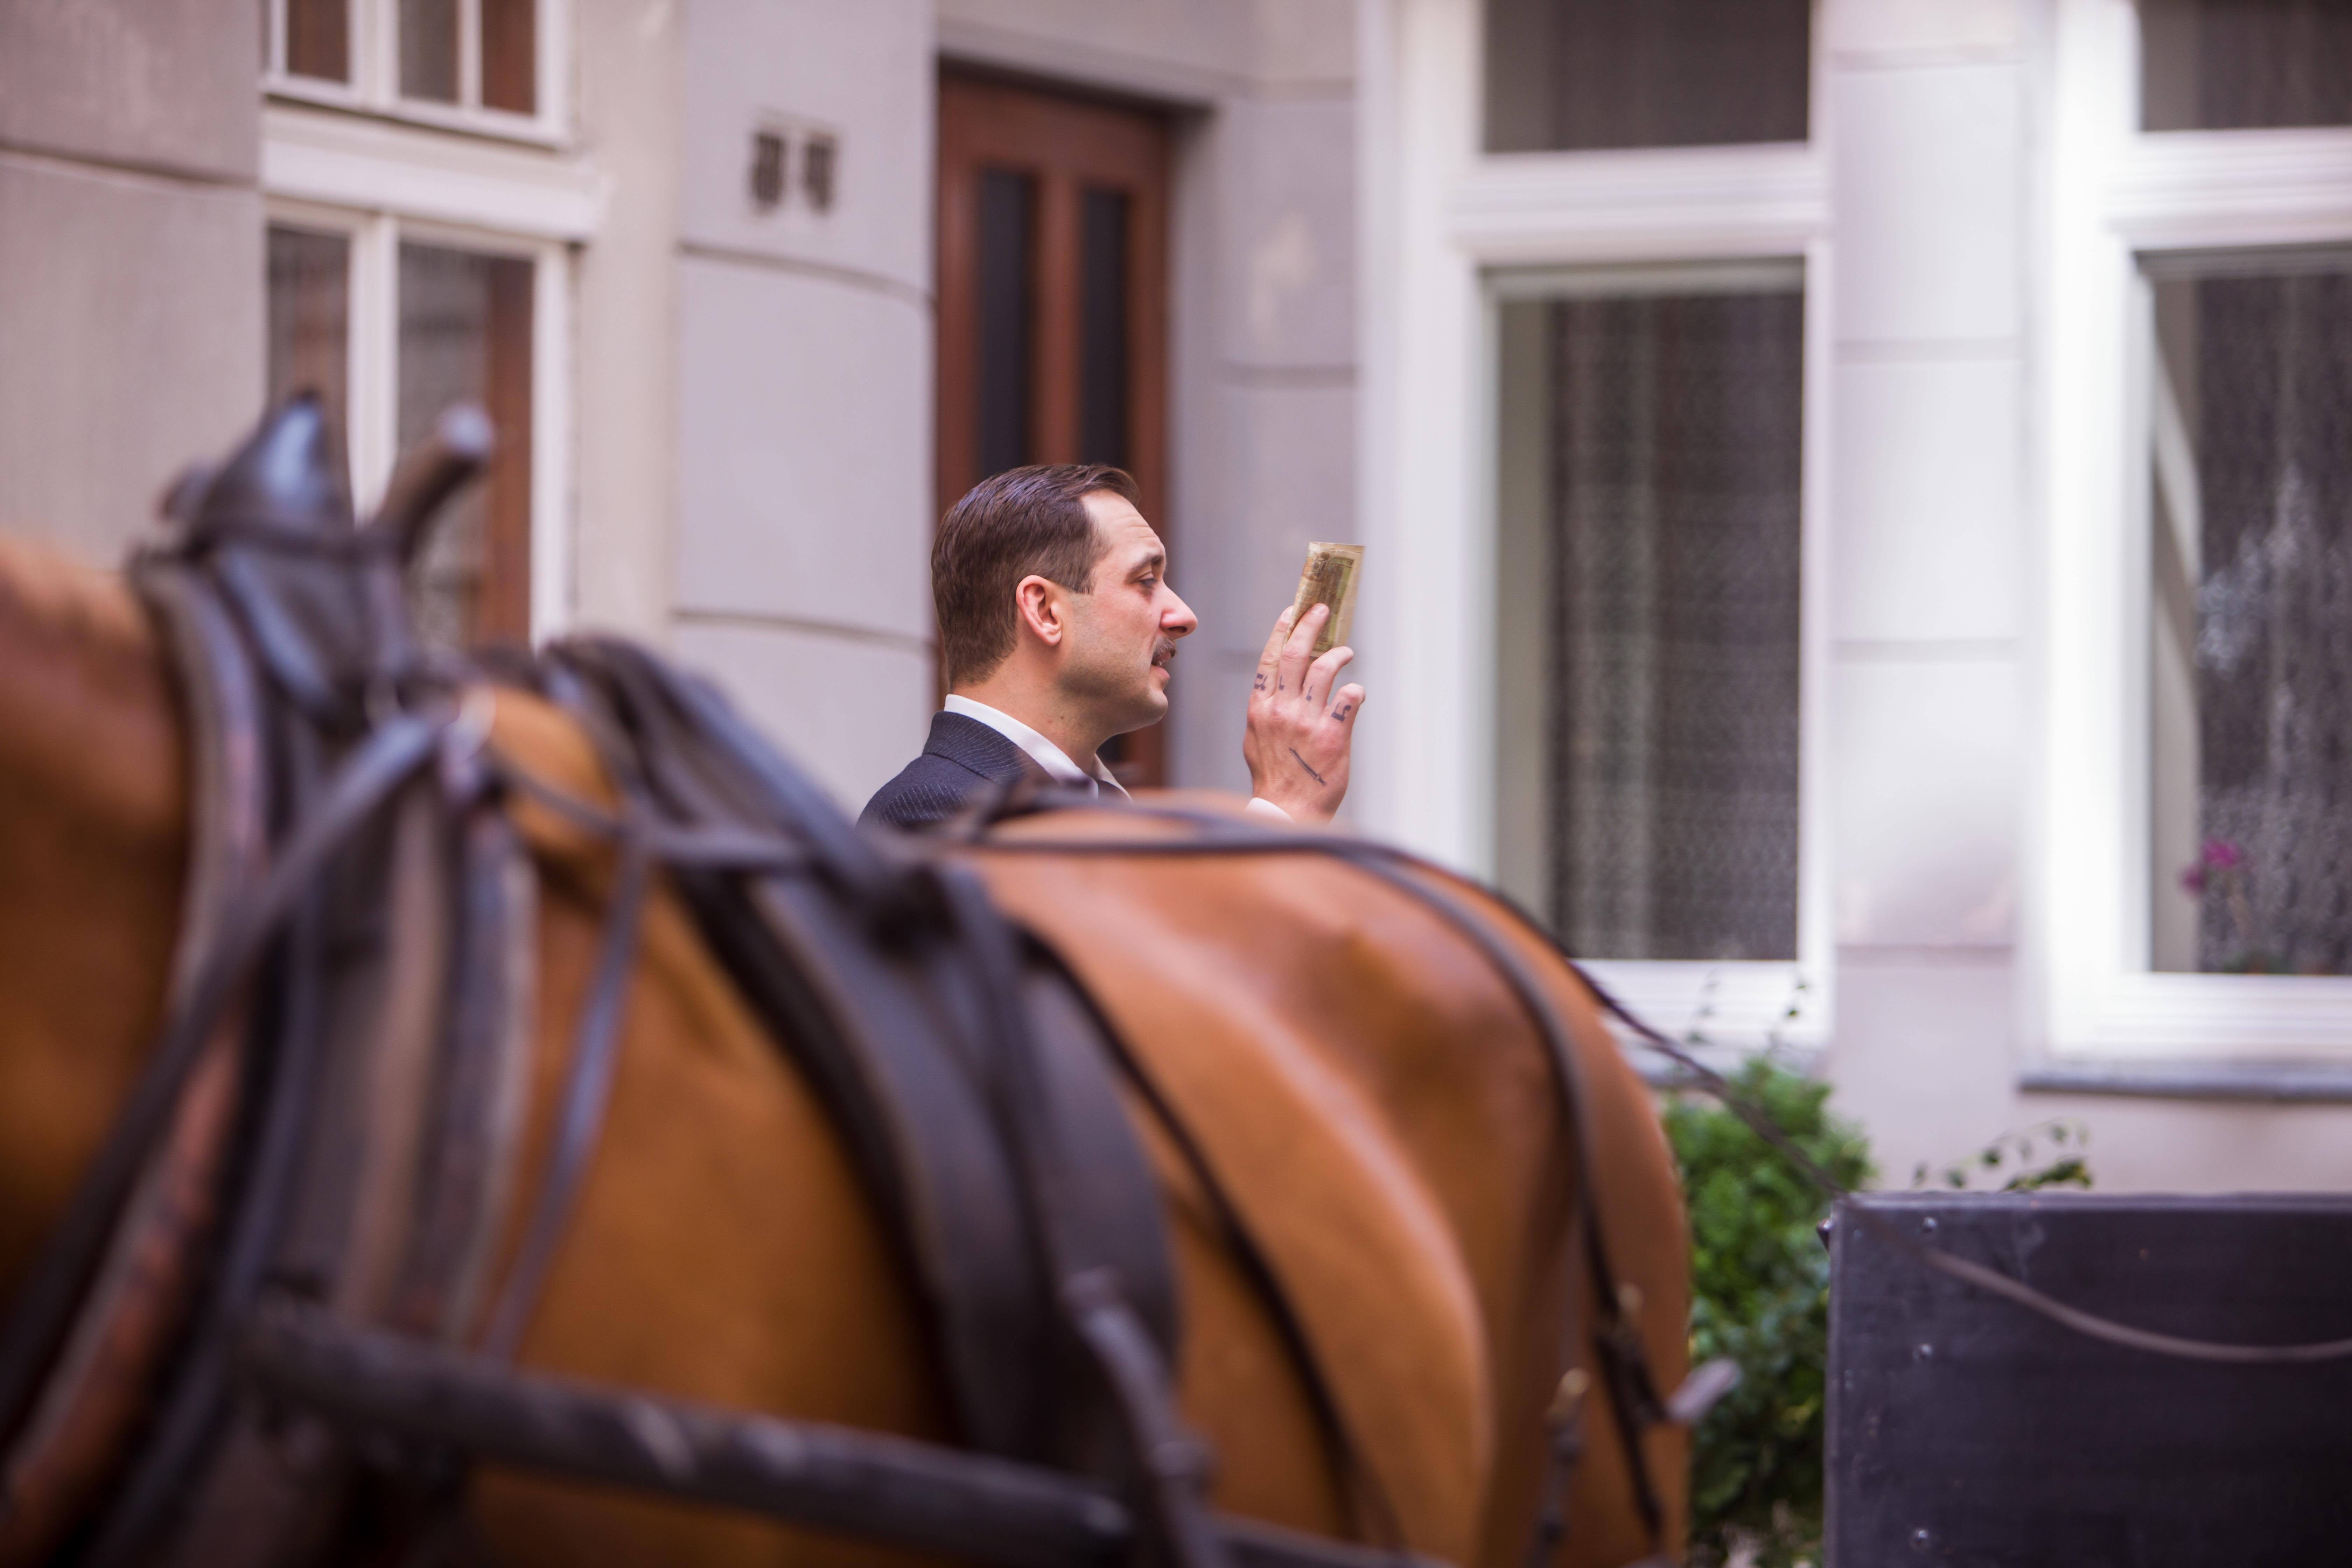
x=1300, y=731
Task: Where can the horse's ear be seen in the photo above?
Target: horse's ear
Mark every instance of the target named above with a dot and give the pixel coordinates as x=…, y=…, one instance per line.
x=431, y=472
x=285, y=475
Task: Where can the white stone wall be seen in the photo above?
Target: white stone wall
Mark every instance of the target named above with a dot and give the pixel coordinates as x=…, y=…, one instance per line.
x=131, y=258
x=803, y=408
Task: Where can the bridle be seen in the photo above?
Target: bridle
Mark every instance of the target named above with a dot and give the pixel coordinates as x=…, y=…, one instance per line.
x=357, y=958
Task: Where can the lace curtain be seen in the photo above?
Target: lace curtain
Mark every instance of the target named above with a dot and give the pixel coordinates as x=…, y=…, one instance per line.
x=1673, y=495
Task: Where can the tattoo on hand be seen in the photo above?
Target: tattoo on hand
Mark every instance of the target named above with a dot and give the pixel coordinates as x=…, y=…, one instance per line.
x=1259, y=684
x=1303, y=762
x=1344, y=709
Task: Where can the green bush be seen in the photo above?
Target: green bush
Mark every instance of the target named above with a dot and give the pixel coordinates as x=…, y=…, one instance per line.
x=1761, y=1281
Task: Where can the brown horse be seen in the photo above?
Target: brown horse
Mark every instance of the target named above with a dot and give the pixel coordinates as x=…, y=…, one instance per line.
x=1374, y=1096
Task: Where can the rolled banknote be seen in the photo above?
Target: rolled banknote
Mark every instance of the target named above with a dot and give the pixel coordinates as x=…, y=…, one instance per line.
x=1330, y=578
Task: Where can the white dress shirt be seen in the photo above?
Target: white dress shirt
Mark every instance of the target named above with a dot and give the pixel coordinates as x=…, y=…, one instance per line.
x=1056, y=762
x=1042, y=752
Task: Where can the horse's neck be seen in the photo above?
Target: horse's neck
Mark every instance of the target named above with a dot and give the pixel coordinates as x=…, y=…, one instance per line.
x=92, y=836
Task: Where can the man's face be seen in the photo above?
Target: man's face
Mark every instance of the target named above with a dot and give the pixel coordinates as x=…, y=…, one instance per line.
x=1123, y=633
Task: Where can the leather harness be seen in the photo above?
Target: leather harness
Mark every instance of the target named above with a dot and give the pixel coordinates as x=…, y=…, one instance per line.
x=271, y=1324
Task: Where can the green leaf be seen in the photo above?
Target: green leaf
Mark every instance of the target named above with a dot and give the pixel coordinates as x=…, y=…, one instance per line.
x=1760, y=1296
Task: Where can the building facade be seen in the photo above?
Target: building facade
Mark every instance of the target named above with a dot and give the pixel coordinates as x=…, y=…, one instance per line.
x=1849, y=485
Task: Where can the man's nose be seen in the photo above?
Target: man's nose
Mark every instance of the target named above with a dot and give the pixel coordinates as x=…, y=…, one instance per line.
x=1178, y=619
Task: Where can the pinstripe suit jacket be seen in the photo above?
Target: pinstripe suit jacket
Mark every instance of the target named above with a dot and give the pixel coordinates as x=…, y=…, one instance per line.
x=961, y=757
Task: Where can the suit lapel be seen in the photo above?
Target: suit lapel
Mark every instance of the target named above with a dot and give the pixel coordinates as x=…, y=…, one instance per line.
x=971, y=744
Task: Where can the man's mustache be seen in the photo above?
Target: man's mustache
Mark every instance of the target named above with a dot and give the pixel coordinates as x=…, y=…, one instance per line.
x=1163, y=651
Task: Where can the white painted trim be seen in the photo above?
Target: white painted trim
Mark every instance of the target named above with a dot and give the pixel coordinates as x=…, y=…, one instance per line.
x=2118, y=196
x=314, y=156
x=1523, y=208
x=555, y=575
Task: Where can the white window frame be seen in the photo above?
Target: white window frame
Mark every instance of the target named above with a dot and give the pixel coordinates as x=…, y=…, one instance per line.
x=2117, y=195
x=374, y=29
x=1445, y=226
x=477, y=180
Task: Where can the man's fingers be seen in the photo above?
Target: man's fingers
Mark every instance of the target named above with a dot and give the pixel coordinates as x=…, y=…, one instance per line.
x=1272, y=657
x=1292, y=669
x=1323, y=672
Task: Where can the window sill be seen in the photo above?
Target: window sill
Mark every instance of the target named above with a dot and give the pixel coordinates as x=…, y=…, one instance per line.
x=530, y=130
x=372, y=163
x=1735, y=1008
x=2282, y=1083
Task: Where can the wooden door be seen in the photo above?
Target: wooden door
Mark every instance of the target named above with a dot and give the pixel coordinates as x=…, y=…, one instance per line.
x=1053, y=291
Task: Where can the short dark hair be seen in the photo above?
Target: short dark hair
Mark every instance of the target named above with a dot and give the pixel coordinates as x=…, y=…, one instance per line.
x=1011, y=525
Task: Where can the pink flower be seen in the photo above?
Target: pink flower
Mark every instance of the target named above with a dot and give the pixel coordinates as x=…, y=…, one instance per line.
x=2221, y=855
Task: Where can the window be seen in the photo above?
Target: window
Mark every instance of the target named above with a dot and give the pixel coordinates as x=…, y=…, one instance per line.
x=2197, y=878
x=1596, y=359
x=2251, y=547
x=2229, y=65
x=1571, y=75
x=414, y=266
x=1650, y=452
x=462, y=331
x=480, y=64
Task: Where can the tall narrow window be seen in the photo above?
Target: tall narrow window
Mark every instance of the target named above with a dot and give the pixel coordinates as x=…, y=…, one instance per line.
x=1565, y=75
x=428, y=51
x=2227, y=65
x=309, y=322
x=1102, y=326
x=1650, y=613
x=1003, y=373
x=319, y=39
x=464, y=336
x=2251, y=613
x=511, y=55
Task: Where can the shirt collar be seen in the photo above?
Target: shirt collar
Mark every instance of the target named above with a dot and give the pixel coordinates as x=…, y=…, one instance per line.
x=1042, y=752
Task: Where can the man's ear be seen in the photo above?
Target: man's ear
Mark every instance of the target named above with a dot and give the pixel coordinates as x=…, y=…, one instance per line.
x=1043, y=613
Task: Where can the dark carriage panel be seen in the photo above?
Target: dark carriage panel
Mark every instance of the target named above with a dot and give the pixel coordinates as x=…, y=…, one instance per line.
x=1964, y=1430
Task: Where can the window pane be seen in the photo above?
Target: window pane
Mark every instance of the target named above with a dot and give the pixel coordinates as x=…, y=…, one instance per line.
x=2226, y=65
x=309, y=322
x=511, y=55
x=1102, y=327
x=317, y=39
x=1579, y=74
x=1649, y=617
x=2251, y=618
x=428, y=51
x=1006, y=329
x=464, y=336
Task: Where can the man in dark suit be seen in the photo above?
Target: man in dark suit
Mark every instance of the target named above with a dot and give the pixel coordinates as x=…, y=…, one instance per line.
x=1057, y=626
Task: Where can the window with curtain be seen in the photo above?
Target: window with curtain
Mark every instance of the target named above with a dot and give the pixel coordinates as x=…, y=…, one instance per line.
x=461, y=331
x=1573, y=75
x=2251, y=595
x=1649, y=615
x=2233, y=65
